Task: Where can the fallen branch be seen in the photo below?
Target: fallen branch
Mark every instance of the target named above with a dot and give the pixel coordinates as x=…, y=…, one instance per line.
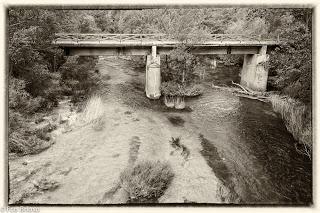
x=263, y=99
x=243, y=92
x=305, y=150
x=243, y=88
x=253, y=94
x=223, y=88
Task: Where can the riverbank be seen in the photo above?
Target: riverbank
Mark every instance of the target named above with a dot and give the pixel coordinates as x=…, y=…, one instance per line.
x=298, y=119
x=296, y=115
x=124, y=133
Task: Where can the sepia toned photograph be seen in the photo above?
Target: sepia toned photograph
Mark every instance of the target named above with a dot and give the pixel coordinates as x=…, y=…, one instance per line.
x=159, y=105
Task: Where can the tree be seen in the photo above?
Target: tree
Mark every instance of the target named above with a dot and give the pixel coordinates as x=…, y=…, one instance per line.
x=292, y=61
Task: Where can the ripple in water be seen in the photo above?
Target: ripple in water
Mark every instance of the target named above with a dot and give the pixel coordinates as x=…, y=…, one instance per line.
x=261, y=164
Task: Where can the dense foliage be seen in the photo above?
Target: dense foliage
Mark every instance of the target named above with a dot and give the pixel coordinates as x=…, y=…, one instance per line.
x=39, y=74
x=291, y=64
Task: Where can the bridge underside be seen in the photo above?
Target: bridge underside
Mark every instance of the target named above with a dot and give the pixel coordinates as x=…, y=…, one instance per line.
x=144, y=50
x=254, y=73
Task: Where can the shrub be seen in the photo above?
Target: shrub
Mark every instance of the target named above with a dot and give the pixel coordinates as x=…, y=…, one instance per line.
x=193, y=90
x=23, y=139
x=22, y=143
x=20, y=100
x=171, y=88
x=42, y=133
x=147, y=181
x=79, y=77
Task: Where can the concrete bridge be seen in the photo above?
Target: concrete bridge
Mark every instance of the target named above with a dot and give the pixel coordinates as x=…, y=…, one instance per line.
x=254, y=73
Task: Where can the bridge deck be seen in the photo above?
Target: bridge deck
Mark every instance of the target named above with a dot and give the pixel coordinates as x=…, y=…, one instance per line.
x=123, y=40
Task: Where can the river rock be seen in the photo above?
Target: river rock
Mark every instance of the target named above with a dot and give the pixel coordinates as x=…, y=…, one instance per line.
x=25, y=162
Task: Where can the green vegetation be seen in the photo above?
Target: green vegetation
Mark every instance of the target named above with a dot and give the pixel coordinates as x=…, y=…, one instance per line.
x=147, y=181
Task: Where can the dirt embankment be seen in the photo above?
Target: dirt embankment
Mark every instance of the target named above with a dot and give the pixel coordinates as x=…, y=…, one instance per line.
x=84, y=165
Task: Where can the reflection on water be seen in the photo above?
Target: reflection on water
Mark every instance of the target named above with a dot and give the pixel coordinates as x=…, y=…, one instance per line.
x=257, y=158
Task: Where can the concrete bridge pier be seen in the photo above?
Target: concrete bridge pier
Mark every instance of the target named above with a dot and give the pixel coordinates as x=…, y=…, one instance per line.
x=254, y=73
x=153, y=75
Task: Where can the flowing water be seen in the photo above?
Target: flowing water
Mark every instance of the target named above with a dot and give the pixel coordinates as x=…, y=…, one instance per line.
x=248, y=147
x=243, y=145
x=246, y=144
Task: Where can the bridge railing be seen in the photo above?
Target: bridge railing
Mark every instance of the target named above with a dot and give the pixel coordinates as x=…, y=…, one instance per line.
x=110, y=37
x=76, y=37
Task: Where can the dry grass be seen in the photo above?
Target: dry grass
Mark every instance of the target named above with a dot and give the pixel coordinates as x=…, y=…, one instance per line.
x=147, y=181
x=297, y=118
x=93, y=113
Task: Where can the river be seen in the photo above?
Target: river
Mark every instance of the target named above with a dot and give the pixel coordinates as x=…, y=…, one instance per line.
x=238, y=150
x=247, y=145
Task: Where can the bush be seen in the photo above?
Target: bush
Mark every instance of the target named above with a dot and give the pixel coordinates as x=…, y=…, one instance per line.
x=42, y=133
x=23, y=142
x=193, y=90
x=79, y=77
x=171, y=88
x=20, y=100
x=147, y=181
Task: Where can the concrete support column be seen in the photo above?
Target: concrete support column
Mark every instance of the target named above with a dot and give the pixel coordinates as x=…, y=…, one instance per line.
x=154, y=52
x=254, y=73
x=153, y=75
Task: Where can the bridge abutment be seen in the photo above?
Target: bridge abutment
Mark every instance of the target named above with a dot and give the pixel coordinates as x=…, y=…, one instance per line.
x=254, y=73
x=153, y=75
